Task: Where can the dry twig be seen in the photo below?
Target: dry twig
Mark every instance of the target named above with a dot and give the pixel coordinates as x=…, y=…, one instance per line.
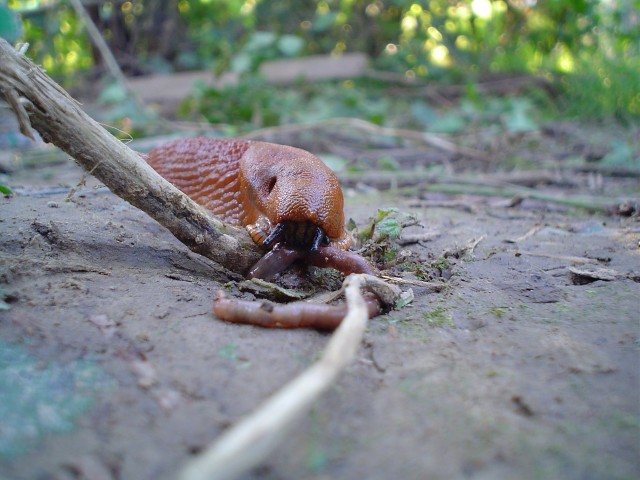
x=563, y=258
x=454, y=204
x=43, y=105
x=430, y=286
x=532, y=231
x=249, y=442
x=590, y=203
x=430, y=139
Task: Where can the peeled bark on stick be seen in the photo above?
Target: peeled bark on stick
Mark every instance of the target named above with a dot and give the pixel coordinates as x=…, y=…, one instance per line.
x=41, y=104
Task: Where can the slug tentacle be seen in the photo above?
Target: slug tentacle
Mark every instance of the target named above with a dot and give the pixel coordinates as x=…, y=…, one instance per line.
x=319, y=238
x=274, y=236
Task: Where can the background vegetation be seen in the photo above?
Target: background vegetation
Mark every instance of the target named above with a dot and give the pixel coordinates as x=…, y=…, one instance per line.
x=589, y=50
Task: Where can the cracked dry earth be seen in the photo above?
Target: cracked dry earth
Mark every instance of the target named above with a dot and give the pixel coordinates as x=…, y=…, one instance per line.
x=112, y=365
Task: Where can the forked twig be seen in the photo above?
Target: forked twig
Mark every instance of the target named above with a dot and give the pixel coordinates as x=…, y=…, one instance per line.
x=250, y=441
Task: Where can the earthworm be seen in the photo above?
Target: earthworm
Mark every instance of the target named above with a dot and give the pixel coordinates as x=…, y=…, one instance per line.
x=289, y=315
x=280, y=257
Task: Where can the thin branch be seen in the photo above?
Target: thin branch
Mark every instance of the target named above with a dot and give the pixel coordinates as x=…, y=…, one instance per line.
x=47, y=108
x=250, y=441
x=99, y=42
x=589, y=203
x=384, y=178
x=532, y=231
x=430, y=139
x=430, y=286
x=564, y=258
x=14, y=101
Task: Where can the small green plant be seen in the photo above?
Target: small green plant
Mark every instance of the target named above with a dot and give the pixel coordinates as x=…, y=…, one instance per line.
x=380, y=233
x=419, y=270
x=441, y=264
x=250, y=103
x=388, y=224
x=439, y=317
x=498, y=311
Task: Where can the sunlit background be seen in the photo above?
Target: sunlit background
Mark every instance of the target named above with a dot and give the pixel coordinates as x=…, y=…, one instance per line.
x=591, y=47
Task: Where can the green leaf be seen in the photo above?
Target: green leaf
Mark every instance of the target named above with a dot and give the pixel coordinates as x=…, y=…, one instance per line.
x=405, y=299
x=423, y=113
x=389, y=227
x=259, y=41
x=241, y=63
x=621, y=154
x=324, y=22
x=290, y=45
x=367, y=232
x=451, y=122
x=5, y=190
x=389, y=164
x=384, y=212
x=519, y=117
x=113, y=93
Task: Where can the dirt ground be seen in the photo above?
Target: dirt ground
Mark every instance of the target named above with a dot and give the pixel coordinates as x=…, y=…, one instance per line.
x=112, y=365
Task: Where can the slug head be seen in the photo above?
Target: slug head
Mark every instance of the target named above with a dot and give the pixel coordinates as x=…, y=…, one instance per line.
x=299, y=195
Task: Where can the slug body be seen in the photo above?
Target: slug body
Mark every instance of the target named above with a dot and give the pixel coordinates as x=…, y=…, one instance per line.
x=281, y=194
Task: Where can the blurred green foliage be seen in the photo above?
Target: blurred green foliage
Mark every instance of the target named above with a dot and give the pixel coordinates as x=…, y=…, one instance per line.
x=10, y=27
x=253, y=103
x=591, y=47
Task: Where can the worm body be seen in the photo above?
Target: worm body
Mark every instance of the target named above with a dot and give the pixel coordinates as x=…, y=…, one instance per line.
x=291, y=315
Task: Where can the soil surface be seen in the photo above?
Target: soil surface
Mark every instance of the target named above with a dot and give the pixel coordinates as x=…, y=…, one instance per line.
x=527, y=365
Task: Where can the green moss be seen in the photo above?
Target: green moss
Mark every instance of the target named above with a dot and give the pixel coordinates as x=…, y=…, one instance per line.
x=498, y=311
x=439, y=317
x=441, y=264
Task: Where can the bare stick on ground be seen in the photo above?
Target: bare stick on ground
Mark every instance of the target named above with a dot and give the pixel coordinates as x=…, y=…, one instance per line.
x=42, y=105
x=425, y=138
x=250, y=441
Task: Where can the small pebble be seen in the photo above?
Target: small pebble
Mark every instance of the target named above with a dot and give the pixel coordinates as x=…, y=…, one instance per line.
x=52, y=204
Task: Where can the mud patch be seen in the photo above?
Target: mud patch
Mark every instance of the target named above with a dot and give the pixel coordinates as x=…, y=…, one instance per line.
x=115, y=367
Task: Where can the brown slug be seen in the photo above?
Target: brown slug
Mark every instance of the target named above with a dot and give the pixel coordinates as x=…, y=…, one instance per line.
x=279, y=193
x=291, y=204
